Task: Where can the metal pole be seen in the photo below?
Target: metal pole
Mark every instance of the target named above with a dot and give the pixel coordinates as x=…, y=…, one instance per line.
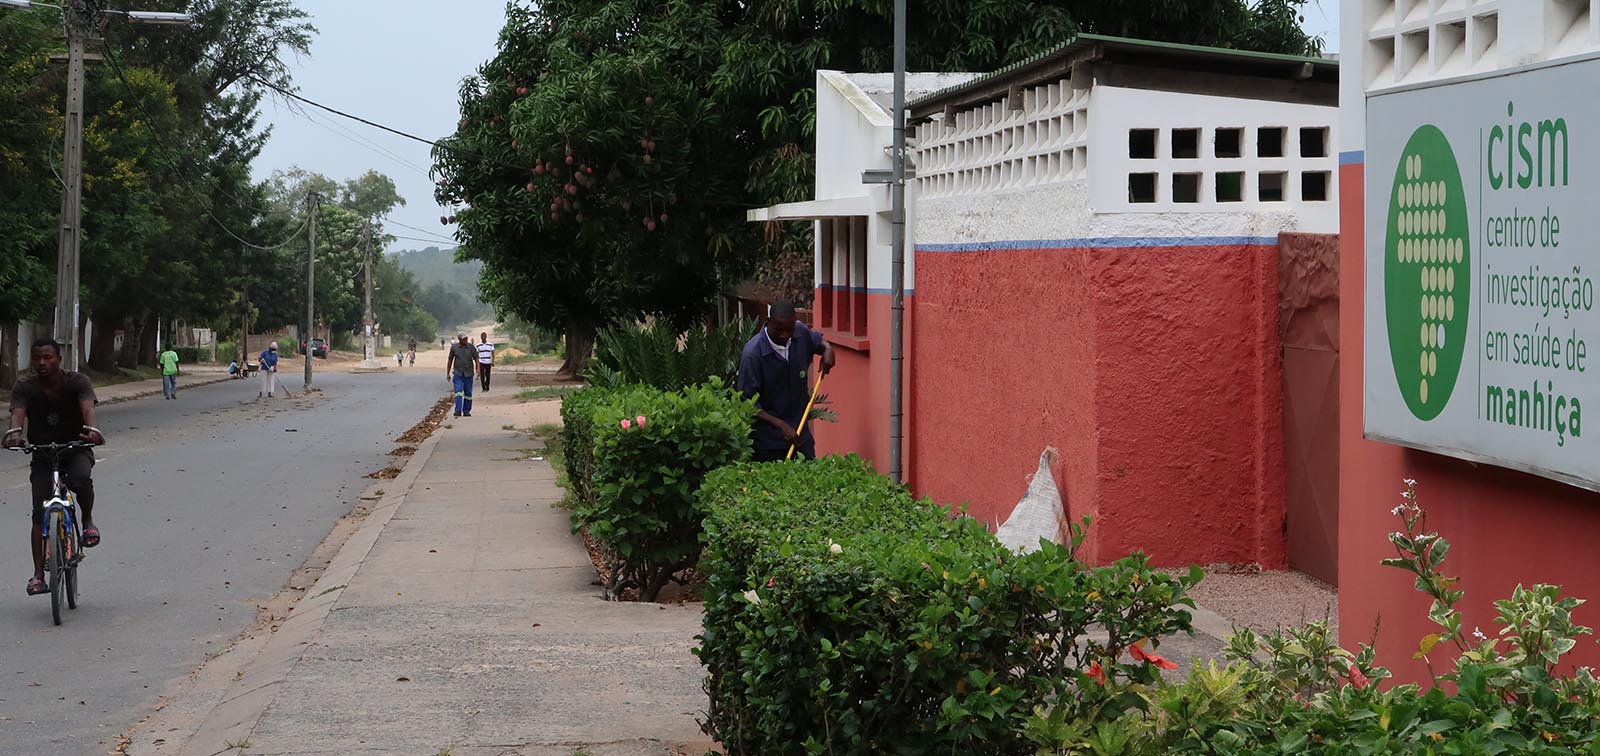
x=311, y=281
x=897, y=221
x=66, y=314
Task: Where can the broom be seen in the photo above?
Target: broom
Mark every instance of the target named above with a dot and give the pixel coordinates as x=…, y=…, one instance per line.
x=807, y=416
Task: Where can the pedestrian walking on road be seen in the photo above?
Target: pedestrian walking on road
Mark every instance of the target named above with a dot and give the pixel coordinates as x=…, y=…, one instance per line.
x=269, y=371
x=169, y=374
x=774, y=370
x=485, y=359
x=411, y=352
x=399, y=359
x=458, y=368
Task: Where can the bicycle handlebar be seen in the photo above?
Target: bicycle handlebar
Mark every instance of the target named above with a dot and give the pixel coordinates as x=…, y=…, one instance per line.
x=27, y=448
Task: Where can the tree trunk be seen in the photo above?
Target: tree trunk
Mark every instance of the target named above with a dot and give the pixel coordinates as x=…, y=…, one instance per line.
x=147, y=340
x=102, y=353
x=579, y=340
x=9, y=370
x=133, y=331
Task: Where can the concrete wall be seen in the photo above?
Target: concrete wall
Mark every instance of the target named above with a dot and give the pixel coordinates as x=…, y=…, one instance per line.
x=1118, y=112
x=1143, y=346
x=1505, y=527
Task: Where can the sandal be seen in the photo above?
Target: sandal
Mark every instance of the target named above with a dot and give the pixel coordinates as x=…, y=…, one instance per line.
x=36, y=586
x=91, y=537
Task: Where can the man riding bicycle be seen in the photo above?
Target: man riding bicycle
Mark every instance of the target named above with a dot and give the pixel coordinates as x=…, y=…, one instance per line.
x=55, y=406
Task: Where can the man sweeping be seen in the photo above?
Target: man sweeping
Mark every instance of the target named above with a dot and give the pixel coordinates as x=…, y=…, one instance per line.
x=775, y=369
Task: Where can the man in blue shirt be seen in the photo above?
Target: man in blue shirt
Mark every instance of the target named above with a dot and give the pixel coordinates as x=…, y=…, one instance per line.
x=775, y=369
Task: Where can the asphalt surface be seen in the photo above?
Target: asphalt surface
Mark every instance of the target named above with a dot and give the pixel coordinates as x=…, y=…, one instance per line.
x=207, y=505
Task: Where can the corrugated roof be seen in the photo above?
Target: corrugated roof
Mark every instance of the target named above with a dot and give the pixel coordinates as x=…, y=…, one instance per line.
x=1083, y=41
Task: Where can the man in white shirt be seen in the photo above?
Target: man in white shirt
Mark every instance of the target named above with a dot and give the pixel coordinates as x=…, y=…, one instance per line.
x=485, y=359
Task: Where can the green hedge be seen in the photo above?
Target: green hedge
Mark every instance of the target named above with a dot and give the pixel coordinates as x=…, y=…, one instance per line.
x=191, y=355
x=842, y=616
x=634, y=482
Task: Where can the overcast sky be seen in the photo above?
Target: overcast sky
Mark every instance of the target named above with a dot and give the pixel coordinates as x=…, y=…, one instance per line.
x=399, y=63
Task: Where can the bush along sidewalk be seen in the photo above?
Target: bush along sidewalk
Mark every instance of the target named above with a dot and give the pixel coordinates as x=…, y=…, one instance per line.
x=843, y=616
x=1298, y=692
x=635, y=459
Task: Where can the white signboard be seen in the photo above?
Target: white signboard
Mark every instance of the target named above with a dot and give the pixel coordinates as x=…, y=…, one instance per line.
x=1482, y=337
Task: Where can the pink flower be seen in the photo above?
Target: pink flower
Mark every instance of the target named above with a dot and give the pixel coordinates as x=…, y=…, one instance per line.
x=639, y=421
x=626, y=423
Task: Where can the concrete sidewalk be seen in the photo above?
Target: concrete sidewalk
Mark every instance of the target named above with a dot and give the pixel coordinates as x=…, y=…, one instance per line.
x=460, y=618
x=190, y=378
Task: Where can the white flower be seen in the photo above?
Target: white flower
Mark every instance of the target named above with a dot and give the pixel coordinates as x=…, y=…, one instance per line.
x=1410, y=482
x=1407, y=495
x=1478, y=633
x=752, y=597
x=834, y=548
x=1398, y=510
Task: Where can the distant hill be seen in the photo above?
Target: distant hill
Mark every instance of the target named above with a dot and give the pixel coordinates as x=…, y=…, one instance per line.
x=433, y=265
x=449, y=289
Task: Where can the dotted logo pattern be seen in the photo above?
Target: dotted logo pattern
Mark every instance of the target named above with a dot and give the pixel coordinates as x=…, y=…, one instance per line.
x=1427, y=272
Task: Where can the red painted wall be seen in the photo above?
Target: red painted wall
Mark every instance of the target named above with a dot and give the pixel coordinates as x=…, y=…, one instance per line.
x=1155, y=372
x=1504, y=527
x=858, y=387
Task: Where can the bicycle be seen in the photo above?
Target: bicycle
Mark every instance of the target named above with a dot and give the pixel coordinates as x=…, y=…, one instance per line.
x=62, y=530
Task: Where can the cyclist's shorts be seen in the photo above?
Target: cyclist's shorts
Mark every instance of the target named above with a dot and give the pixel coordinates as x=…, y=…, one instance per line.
x=75, y=471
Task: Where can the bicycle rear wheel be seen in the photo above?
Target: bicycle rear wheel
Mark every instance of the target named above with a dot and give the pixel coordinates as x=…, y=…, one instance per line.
x=56, y=563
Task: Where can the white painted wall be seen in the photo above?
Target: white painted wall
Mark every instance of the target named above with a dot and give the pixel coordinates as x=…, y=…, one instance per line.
x=854, y=134
x=1117, y=111
x=1062, y=213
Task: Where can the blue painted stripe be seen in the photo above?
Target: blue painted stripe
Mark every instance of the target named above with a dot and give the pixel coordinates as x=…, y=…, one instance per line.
x=1353, y=157
x=1105, y=242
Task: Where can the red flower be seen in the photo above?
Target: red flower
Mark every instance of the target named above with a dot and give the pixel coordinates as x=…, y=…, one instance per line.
x=1139, y=654
x=771, y=582
x=1356, y=678
x=1096, y=674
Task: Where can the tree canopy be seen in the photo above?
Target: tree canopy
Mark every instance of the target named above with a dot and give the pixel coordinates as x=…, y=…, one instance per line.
x=606, y=155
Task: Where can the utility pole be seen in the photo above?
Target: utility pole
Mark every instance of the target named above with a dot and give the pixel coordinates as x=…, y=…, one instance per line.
x=311, y=279
x=897, y=221
x=369, y=343
x=77, y=17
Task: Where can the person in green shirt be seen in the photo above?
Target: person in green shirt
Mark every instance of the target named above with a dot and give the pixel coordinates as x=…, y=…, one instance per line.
x=169, y=374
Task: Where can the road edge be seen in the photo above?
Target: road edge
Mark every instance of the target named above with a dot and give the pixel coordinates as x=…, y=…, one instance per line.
x=251, y=671
x=153, y=392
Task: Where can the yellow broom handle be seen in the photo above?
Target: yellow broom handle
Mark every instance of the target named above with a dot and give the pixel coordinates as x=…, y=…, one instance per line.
x=806, y=416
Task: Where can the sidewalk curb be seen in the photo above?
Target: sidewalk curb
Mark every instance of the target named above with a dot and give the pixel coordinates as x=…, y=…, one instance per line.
x=236, y=715
x=154, y=392
x=1212, y=624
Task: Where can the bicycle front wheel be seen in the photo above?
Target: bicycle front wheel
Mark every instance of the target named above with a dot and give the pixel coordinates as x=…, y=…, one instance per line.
x=56, y=562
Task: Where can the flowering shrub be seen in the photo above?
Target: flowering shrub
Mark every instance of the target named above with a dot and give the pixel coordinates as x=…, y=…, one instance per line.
x=842, y=616
x=1296, y=691
x=577, y=444
x=650, y=450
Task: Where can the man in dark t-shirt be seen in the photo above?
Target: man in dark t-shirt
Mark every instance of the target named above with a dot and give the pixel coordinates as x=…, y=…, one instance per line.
x=55, y=406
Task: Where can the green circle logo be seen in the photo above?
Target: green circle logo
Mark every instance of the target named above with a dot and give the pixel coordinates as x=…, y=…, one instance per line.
x=1427, y=272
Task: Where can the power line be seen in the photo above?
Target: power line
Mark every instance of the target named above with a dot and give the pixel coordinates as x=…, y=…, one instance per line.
x=420, y=230
x=430, y=241
x=205, y=204
x=355, y=138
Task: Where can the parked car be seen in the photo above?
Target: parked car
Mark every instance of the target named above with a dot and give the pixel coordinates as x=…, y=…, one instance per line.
x=319, y=348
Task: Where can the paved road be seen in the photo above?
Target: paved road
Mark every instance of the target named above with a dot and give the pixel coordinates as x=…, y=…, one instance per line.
x=208, y=504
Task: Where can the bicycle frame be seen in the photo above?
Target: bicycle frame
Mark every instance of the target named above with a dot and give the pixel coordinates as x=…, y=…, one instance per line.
x=65, y=502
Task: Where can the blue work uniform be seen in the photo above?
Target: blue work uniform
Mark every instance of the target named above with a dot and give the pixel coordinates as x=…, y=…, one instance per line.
x=781, y=388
